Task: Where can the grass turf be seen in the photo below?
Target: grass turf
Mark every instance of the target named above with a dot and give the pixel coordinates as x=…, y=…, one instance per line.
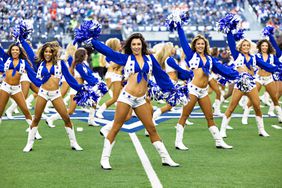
x=254, y=161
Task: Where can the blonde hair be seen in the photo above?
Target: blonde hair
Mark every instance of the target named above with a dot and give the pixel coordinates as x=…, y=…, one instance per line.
x=164, y=53
x=253, y=48
x=207, y=44
x=113, y=43
x=70, y=50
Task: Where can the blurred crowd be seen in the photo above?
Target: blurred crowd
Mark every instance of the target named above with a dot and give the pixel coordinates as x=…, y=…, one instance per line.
x=58, y=17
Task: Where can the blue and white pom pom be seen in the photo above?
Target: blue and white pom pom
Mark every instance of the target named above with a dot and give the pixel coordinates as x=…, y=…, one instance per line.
x=154, y=91
x=177, y=96
x=239, y=35
x=245, y=82
x=88, y=30
x=228, y=23
x=268, y=30
x=86, y=96
x=22, y=30
x=175, y=19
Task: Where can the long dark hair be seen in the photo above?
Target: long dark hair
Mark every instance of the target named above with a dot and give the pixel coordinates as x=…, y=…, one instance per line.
x=79, y=57
x=22, y=52
x=54, y=51
x=127, y=46
x=270, y=49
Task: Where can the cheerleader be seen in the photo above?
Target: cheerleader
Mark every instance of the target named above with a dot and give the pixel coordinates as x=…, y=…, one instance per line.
x=82, y=73
x=48, y=76
x=113, y=77
x=137, y=66
x=199, y=60
x=244, y=63
x=264, y=76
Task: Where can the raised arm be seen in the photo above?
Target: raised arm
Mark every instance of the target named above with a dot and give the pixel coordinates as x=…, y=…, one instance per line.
x=275, y=45
x=232, y=45
x=91, y=80
x=114, y=56
x=184, y=43
x=30, y=53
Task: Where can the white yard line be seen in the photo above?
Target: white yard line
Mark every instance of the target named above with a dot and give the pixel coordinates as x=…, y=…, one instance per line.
x=151, y=174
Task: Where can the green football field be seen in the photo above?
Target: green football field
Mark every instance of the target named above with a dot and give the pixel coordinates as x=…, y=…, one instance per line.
x=253, y=162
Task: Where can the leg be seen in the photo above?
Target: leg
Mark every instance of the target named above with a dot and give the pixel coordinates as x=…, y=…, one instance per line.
x=230, y=91
x=205, y=104
x=254, y=97
x=25, y=88
x=145, y=116
x=271, y=89
x=3, y=101
x=187, y=109
x=20, y=100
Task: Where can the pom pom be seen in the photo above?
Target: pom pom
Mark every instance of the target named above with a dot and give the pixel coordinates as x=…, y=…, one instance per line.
x=177, y=96
x=268, y=30
x=228, y=23
x=86, y=96
x=154, y=91
x=239, y=35
x=176, y=19
x=245, y=82
x=88, y=30
x=22, y=30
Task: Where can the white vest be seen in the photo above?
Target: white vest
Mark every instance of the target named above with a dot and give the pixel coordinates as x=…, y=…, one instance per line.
x=10, y=60
x=57, y=71
x=195, y=62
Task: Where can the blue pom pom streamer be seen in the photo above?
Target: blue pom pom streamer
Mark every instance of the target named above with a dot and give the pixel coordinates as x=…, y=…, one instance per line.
x=22, y=30
x=268, y=30
x=154, y=91
x=176, y=19
x=245, y=82
x=228, y=23
x=88, y=30
x=239, y=35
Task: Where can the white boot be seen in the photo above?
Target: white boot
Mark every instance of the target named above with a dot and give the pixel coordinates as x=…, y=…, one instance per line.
x=105, y=158
x=91, y=121
x=37, y=135
x=179, y=138
x=219, y=142
x=29, y=100
x=216, y=107
x=73, y=142
x=100, y=111
x=246, y=115
x=224, y=124
x=187, y=122
x=30, y=139
x=271, y=110
x=10, y=110
x=50, y=120
x=104, y=131
x=166, y=159
x=260, y=125
x=279, y=113
x=157, y=113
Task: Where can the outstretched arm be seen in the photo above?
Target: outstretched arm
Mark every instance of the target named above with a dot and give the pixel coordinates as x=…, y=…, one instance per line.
x=91, y=80
x=266, y=66
x=69, y=78
x=224, y=71
x=114, y=56
x=182, y=74
x=32, y=75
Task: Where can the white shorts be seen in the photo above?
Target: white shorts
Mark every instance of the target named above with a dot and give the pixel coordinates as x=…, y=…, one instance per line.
x=24, y=78
x=108, y=75
x=116, y=77
x=72, y=91
x=264, y=80
x=49, y=95
x=131, y=100
x=11, y=89
x=197, y=91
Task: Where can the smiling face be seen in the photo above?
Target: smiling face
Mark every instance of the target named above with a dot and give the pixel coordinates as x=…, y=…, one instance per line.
x=264, y=47
x=200, y=46
x=48, y=54
x=245, y=47
x=136, y=46
x=15, y=52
